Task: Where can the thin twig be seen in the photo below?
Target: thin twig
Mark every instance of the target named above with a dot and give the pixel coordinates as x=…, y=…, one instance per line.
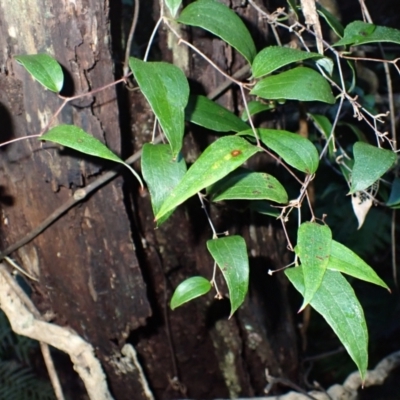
x=20, y=269
x=394, y=139
x=130, y=36
x=52, y=371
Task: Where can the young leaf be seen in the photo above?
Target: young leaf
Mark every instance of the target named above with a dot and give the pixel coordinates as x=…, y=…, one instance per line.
x=173, y=6
x=161, y=173
x=218, y=160
x=300, y=83
x=344, y=260
x=359, y=32
x=314, y=242
x=336, y=301
x=75, y=138
x=220, y=20
x=294, y=149
x=205, y=112
x=45, y=69
x=243, y=184
x=167, y=91
x=331, y=20
x=230, y=254
x=370, y=163
x=322, y=123
x=394, y=198
x=256, y=107
x=274, y=57
x=190, y=289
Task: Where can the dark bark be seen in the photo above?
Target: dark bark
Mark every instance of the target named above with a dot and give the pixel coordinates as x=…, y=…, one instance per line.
x=90, y=268
x=89, y=273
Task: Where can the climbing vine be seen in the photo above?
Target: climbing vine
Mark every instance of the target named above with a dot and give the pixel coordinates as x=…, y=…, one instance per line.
x=276, y=74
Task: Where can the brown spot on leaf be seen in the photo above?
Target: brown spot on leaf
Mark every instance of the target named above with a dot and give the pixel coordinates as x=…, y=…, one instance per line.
x=235, y=153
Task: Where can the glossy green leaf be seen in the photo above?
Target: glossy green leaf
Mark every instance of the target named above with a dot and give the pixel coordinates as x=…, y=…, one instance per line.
x=205, y=112
x=76, y=138
x=336, y=301
x=344, y=260
x=331, y=20
x=300, y=83
x=243, y=184
x=294, y=149
x=359, y=32
x=190, y=289
x=274, y=57
x=173, y=6
x=370, y=163
x=314, y=242
x=45, y=69
x=230, y=254
x=218, y=160
x=394, y=198
x=167, y=91
x=256, y=107
x=162, y=174
x=220, y=20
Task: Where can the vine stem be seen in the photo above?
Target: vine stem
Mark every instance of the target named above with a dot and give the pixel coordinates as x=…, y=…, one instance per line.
x=130, y=36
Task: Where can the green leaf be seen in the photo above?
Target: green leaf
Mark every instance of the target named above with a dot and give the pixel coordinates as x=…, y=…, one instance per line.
x=243, y=184
x=256, y=107
x=293, y=7
x=167, y=91
x=370, y=163
x=189, y=289
x=205, y=112
x=45, y=69
x=359, y=32
x=394, y=198
x=263, y=207
x=344, y=260
x=300, y=83
x=76, y=138
x=323, y=124
x=220, y=20
x=230, y=254
x=336, y=301
x=218, y=160
x=314, y=242
x=331, y=20
x=294, y=149
x=173, y=6
x=162, y=173
x=274, y=57
x=327, y=64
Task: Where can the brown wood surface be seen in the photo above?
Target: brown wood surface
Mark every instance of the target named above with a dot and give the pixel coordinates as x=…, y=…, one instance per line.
x=89, y=273
x=103, y=267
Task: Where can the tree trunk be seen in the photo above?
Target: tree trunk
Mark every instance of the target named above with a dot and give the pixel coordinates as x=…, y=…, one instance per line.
x=88, y=271
x=103, y=268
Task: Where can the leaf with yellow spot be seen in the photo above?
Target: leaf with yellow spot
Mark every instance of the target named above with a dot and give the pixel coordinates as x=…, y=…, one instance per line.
x=218, y=160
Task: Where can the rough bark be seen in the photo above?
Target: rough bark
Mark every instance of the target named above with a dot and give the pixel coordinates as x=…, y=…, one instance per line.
x=88, y=271
x=87, y=262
